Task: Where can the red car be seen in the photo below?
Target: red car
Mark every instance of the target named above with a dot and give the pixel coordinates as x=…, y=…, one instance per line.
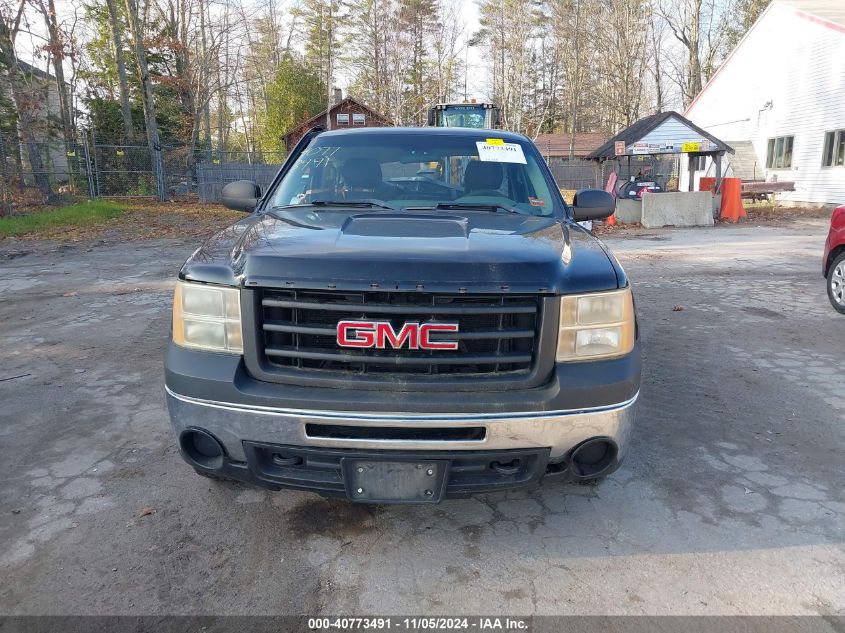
x=833, y=264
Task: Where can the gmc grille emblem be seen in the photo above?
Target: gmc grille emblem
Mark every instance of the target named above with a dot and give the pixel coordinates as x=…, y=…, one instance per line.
x=380, y=334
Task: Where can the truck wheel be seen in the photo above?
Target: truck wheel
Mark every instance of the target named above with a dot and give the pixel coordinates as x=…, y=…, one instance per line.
x=836, y=283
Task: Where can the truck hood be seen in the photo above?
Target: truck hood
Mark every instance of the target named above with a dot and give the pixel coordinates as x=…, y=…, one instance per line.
x=436, y=252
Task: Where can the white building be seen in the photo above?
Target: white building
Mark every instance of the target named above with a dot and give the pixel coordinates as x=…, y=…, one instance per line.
x=779, y=101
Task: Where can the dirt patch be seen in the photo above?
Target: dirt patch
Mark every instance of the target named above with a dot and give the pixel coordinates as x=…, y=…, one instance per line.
x=149, y=220
x=603, y=228
x=783, y=216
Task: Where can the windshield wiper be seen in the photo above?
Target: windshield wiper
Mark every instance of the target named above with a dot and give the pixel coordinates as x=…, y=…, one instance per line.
x=368, y=203
x=493, y=207
x=358, y=204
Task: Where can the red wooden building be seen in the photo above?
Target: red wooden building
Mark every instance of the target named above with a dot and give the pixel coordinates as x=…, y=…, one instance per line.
x=346, y=113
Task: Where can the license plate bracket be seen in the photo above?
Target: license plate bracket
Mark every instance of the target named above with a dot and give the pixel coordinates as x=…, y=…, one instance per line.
x=394, y=481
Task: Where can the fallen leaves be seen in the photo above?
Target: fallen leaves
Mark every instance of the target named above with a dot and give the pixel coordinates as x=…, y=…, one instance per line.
x=145, y=219
x=678, y=309
x=146, y=512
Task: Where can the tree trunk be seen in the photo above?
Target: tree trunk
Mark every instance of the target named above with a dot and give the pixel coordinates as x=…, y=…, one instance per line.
x=25, y=108
x=147, y=97
x=573, y=89
x=56, y=44
x=693, y=86
x=206, y=110
x=329, y=60
x=117, y=43
x=694, y=55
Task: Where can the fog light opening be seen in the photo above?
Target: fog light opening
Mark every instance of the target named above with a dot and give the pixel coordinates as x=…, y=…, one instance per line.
x=593, y=458
x=201, y=449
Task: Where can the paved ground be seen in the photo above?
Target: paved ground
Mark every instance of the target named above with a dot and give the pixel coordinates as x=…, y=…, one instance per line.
x=732, y=500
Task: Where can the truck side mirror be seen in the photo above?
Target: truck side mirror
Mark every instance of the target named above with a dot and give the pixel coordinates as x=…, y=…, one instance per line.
x=593, y=204
x=241, y=195
x=431, y=117
x=497, y=117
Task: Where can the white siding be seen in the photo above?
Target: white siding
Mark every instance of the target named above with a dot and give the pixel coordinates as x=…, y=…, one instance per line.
x=798, y=65
x=672, y=130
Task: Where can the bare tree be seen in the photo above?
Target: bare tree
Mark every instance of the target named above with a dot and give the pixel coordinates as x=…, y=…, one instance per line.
x=147, y=97
x=656, y=63
x=57, y=49
x=511, y=34
x=699, y=26
x=116, y=29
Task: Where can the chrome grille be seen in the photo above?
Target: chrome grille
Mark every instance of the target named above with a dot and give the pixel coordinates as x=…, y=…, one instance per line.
x=497, y=333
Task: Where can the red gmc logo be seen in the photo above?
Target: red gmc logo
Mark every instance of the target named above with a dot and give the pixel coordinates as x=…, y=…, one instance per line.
x=380, y=334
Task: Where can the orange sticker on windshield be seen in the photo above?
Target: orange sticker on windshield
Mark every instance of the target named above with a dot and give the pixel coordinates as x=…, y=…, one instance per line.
x=536, y=202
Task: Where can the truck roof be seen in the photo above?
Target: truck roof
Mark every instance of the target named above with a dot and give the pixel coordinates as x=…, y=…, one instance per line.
x=428, y=131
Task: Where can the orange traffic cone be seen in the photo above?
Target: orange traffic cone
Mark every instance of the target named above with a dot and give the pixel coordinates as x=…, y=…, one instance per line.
x=611, y=220
x=732, y=209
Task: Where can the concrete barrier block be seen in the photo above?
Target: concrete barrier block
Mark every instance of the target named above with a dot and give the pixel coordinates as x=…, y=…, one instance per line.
x=629, y=211
x=683, y=208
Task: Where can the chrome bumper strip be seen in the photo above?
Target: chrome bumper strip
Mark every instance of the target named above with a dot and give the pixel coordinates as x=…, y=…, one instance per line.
x=357, y=415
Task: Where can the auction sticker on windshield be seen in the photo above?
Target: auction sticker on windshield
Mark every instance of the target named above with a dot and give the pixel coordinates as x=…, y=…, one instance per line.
x=498, y=152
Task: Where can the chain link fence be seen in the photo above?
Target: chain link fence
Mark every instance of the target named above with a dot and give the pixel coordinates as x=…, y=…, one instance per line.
x=39, y=173
x=47, y=172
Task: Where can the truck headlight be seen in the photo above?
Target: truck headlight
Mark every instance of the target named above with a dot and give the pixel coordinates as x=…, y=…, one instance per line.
x=207, y=317
x=597, y=325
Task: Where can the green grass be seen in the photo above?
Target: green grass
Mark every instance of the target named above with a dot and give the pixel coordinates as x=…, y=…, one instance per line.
x=78, y=215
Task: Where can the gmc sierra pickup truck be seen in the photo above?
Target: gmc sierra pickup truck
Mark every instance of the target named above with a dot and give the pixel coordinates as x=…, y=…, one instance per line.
x=404, y=315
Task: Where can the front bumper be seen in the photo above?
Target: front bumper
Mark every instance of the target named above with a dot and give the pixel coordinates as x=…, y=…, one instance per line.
x=560, y=431
x=256, y=422
x=282, y=448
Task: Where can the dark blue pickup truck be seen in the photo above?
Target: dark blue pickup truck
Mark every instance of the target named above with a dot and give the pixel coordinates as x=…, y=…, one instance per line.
x=405, y=315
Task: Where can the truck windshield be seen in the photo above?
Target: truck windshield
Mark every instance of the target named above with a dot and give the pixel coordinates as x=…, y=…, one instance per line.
x=473, y=116
x=404, y=171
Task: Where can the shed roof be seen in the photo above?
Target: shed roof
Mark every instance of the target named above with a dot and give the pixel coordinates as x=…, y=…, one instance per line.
x=638, y=130
x=558, y=144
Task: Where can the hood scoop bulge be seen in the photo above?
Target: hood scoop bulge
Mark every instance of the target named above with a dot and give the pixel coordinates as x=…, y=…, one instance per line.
x=406, y=225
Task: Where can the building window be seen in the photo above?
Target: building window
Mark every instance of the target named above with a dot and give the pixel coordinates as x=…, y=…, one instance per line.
x=343, y=119
x=699, y=163
x=834, y=149
x=779, y=154
x=358, y=118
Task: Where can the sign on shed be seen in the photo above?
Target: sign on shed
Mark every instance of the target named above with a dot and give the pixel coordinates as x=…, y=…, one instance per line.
x=663, y=133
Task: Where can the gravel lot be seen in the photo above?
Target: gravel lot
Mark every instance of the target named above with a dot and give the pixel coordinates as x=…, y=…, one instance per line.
x=732, y=500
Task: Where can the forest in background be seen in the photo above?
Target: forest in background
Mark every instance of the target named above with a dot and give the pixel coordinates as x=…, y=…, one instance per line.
x=234, y=75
